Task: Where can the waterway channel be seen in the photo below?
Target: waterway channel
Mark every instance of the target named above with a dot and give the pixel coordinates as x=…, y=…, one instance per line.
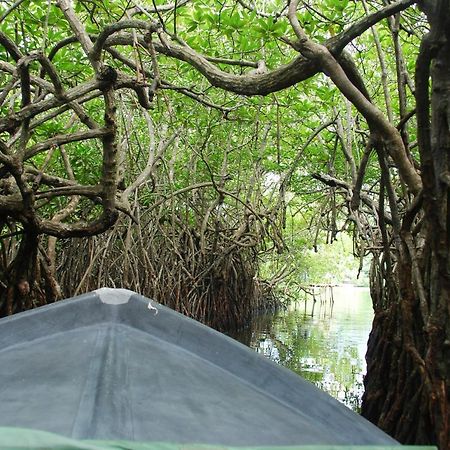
x=323, y=341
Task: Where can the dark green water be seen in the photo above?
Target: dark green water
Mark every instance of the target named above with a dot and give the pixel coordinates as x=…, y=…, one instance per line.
x=324, y=342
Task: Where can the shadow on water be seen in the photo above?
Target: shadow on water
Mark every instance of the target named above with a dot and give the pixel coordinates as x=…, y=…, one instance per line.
x=323, y=341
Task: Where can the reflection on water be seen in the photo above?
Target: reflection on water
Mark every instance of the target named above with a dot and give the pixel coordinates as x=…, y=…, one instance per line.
x=325, y=342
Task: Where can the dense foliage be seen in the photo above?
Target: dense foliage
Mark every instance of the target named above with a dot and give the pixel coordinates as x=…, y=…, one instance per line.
x=184, y=142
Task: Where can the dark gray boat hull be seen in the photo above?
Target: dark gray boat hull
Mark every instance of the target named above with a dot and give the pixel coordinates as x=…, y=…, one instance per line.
x=105, y=366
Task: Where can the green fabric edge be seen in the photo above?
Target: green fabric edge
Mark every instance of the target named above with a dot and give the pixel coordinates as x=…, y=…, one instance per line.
x=27, y=439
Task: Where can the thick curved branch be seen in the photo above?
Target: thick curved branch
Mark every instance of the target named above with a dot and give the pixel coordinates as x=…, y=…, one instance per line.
x=250, y=84
x=65, y=139
x=78, y=229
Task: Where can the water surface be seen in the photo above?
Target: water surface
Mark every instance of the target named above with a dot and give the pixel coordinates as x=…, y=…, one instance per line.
x=323, y=341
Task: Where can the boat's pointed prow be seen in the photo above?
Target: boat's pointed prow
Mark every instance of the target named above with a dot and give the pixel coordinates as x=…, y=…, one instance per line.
x=105, y=366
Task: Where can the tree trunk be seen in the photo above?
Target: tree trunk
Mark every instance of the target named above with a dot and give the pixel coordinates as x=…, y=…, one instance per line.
x=27, y=280
x=20, y=276
x=407, y=383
